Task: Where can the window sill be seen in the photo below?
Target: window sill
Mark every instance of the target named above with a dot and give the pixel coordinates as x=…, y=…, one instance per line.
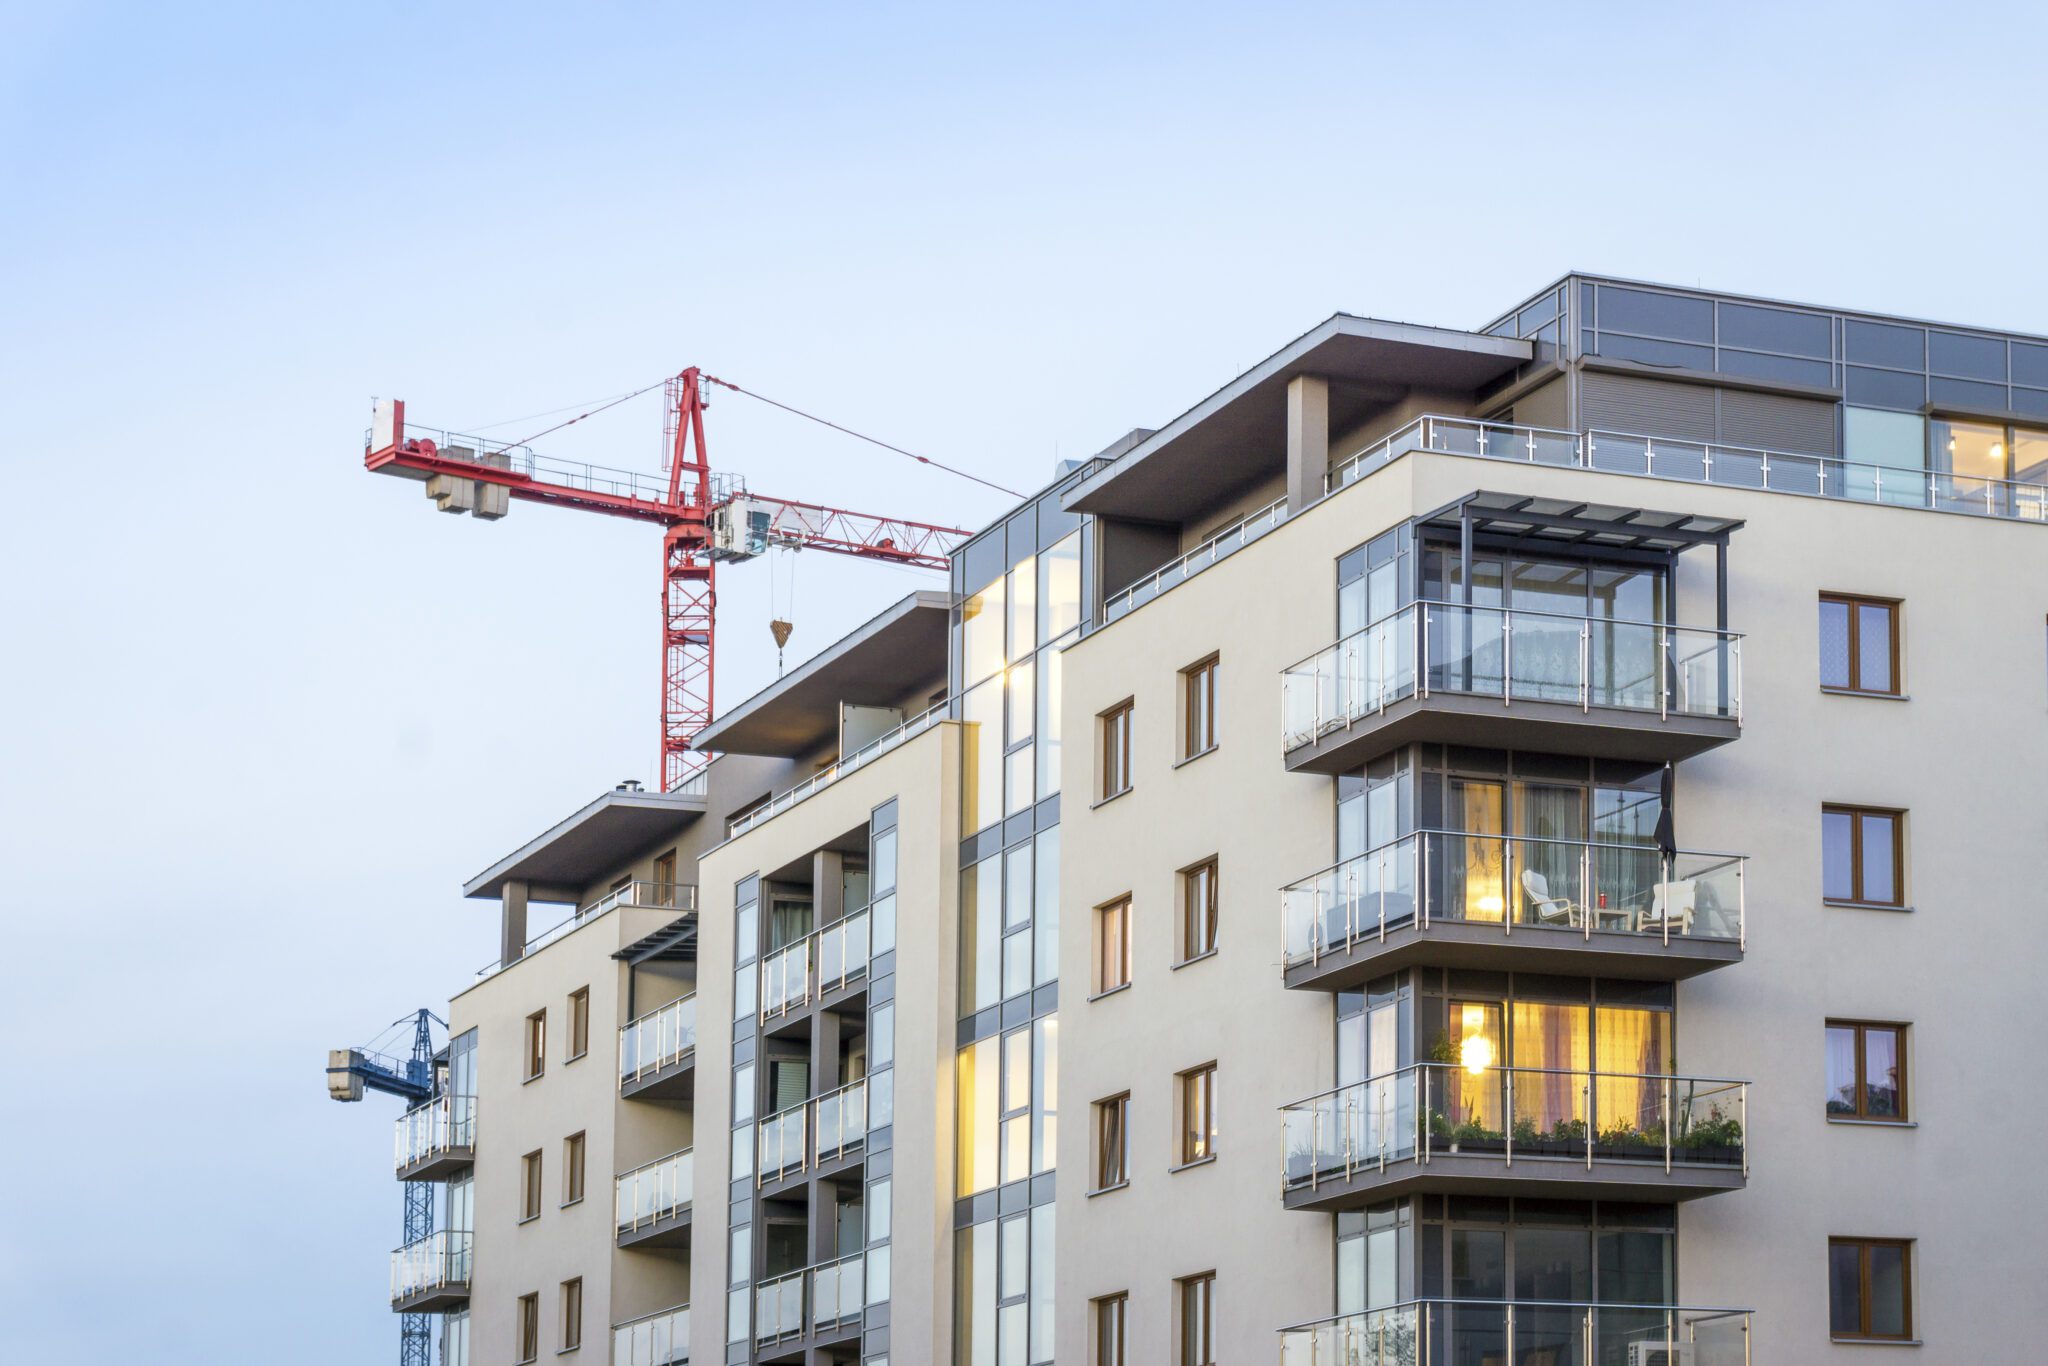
x=1876, y=697
x=575, y=1057
x=1109, y=1190
x=567, y=1351
x=1198, y=754
x=570, y=1204
x=1190, y=1166
x=1864, y=906
x=1190, y=962
x=528, y=1081
x=1122, y=986
x=1876, y=1342
x=527, y=1219
x=1854, y=1123
x=1101, y=802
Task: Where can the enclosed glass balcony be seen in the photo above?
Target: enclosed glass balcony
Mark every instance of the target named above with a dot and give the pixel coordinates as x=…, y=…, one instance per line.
x=436, y=1139
x=651, y=1203
x=656, y=1049
x=432, y=1274
x=658, y=1339
x=1461, y=899
x=1473, y=1126
x=1550, y=1332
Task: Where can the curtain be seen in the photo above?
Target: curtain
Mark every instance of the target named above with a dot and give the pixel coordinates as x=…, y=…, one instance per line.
x=1553, y=1037
x=1550, y=812
x=1628, y=1040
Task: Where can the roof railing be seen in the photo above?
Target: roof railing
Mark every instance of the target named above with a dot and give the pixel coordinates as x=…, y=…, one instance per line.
x=839, y=768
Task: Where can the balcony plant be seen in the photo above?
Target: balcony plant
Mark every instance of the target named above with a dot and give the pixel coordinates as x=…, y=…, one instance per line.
x=1716, y=1139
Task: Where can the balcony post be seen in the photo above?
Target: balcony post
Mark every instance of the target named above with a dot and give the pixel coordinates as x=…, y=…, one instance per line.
x=1667, y=1126
x=1586, y=1109
x=1589, y=900
x=1507, y=1127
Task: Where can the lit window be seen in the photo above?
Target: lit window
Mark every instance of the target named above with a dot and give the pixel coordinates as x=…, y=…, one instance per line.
x=1198, y=1114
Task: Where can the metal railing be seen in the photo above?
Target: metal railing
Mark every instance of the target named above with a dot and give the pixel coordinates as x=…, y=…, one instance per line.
x=1515, y=883
x=779, y=1143
x=833, y=772
x=838, y=1291
x=1516, y=655
x=840, y=952
x=1445, y=1332
x=653, y=1192
x=1476, y=1108
x=1702, y=462
x=786, y=979
x=658, y=1339
x=521, y=460
x=1174, y=572
x=438, y=1126
x=642, y=894
x=841, y=1120
x=660, y=1038
x=779, y=1308
x=441, y=1259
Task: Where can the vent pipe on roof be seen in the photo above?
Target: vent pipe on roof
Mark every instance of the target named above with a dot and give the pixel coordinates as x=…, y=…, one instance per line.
x=630, y=785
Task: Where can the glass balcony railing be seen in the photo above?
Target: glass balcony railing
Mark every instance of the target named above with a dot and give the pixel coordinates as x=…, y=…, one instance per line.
x=832, y=773
x=780, y=1144
x=842, y=1119
x=1514, y=883
x=441, y=1125
x=438, y=1261
x=1195, y=561
x=842, y=951
x=816, y=1298
x=659, y=1339
x=660, y=1038
x=837, y=1291
x=786, y=979
x=839, y=951
x=1517, y=656
x=1556, y=1333
x=1474, y=1108
x=680, y=897
x=779, y=1308
x=651, y=1193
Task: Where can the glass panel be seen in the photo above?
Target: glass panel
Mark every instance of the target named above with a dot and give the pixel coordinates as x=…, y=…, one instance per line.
x=1834, y=644
x=1023, y=607
x=1891, y=441
x=981, y=909
x=981, y=755
x=981, y=633
x=1635, y=1267
x=1845, y=1289
x=1878, y=835
x=976, y=1117
x=1874, y=647
x=1051, y=670
x=1952, y=353
x=1046, y=910
x=1880, y=1073
x=1841, y=1065
x=1656, y=315
x=1837, y=868
x=1059, y=588
x=1887, y=1291
x=1045, y=1089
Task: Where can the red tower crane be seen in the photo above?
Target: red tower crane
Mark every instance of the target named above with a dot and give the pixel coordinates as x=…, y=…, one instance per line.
x=705, y=518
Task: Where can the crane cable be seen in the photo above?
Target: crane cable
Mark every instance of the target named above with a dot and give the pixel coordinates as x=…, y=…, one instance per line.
x=858, y=436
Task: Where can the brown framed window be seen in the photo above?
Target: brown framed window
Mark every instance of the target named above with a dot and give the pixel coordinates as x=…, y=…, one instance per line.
x=529, y=1186
x=1198, y=708
x=1108, y=1314
x=1863, y=855
x=1866, y=1071
x=1113, y=945
x=572, y=1314
x=1198, y=1114
x=1112, y=1142
x=579, y=1023
x=1197, y=1319
x=526, y=1334
x=1859, y=644
x=1870, y=1288
x=663, y=892
x=536, y=1044
x=1116, y=750
x=572, y=1169
x=1198, y=910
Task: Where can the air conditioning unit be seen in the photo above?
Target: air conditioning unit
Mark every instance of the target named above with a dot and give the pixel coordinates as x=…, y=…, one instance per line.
x=1657, y=1354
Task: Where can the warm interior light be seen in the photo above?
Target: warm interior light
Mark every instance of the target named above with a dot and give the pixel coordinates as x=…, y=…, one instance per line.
x=1492, y=905
x=1476, y=1053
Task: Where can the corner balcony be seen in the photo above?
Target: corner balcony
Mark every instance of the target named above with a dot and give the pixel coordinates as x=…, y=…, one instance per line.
x=658, y=1339
x=651, y=1203
x=1487, y=676
x=1502, y=902
x=658, y=1054
x=1444, y=1128
x=838, y=952
x=437, y=1139
x=431, y=1276
x=816, y=1307
x=1529, y=1333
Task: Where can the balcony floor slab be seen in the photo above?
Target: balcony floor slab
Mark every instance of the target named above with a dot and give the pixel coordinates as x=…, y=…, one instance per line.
x=1529, y=948
x=1486, y=722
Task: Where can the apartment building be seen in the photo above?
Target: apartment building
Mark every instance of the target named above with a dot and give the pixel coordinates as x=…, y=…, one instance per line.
x=1500, y=844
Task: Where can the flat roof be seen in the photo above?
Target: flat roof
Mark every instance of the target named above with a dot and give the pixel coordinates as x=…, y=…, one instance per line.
x=1229, y=437
x=576, y=852
x=869, y=666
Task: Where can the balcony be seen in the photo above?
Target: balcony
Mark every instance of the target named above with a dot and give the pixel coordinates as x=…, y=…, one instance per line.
x=1194, y=562
x=431, y=1276
x=1499, y=902
x=651, y=1203
x=437, y=1139
x=640, y=894
x=1450, y=1128
x=824, y=1134
x=658, y=1339
x=840, y=954
x=1488, y=676
x=833, y=772
x=1555, y=1333
x=658, y=1053
x=820, y=1304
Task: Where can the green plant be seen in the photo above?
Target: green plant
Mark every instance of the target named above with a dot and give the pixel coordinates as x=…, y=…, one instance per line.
x=1472, y=1131
x=1717, y=1130
x=1525, y=1130
x=1626, y=1135
x=1568, y=1131
x=1443, y=1050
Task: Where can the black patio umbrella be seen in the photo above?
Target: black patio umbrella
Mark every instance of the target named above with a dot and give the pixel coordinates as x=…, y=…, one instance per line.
x=1667, y=834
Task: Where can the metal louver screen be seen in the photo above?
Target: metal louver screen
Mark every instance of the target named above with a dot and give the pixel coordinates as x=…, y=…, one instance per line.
x=1777, y=422
x=1651, y=407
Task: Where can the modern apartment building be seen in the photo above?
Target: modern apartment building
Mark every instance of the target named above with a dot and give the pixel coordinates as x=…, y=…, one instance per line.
x=1500, y=845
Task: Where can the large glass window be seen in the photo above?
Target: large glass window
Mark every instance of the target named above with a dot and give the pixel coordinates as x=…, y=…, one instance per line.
x=981, y=754
x=1890, y=441
x=982, y=619
x=978, y=1088
x=1866, y=1071
x=1059, y=588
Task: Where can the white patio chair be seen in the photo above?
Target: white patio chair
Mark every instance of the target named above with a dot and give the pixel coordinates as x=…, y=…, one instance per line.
x=1670, y=902
x=1550, y=910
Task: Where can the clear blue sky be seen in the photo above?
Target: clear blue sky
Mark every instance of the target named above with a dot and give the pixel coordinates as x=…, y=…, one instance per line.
x=264, y=713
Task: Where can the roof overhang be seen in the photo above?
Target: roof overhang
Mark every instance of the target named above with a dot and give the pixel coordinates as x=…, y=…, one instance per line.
x=1237, y=435
x=1566, y=524
x=560, y=864
x=873, y=665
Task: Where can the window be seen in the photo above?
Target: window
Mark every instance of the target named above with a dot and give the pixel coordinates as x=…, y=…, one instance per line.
x=1116, y=750
x=1859, y=645
x=1198, y=708
x=572, y=1314
x=536, y=1044
x=1198, y=911
x=579, y=1023
x=1866, y=1071
x=572, y=1169
x=1197, y=1319
x=1870, y=1288
x=664, y=889
x=1112, y=1142
x=527, y=1336
x=1113, y=946
x=1863, y=856
x=1108, y=1314
x=529, y=1186
x=1198, y=1116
